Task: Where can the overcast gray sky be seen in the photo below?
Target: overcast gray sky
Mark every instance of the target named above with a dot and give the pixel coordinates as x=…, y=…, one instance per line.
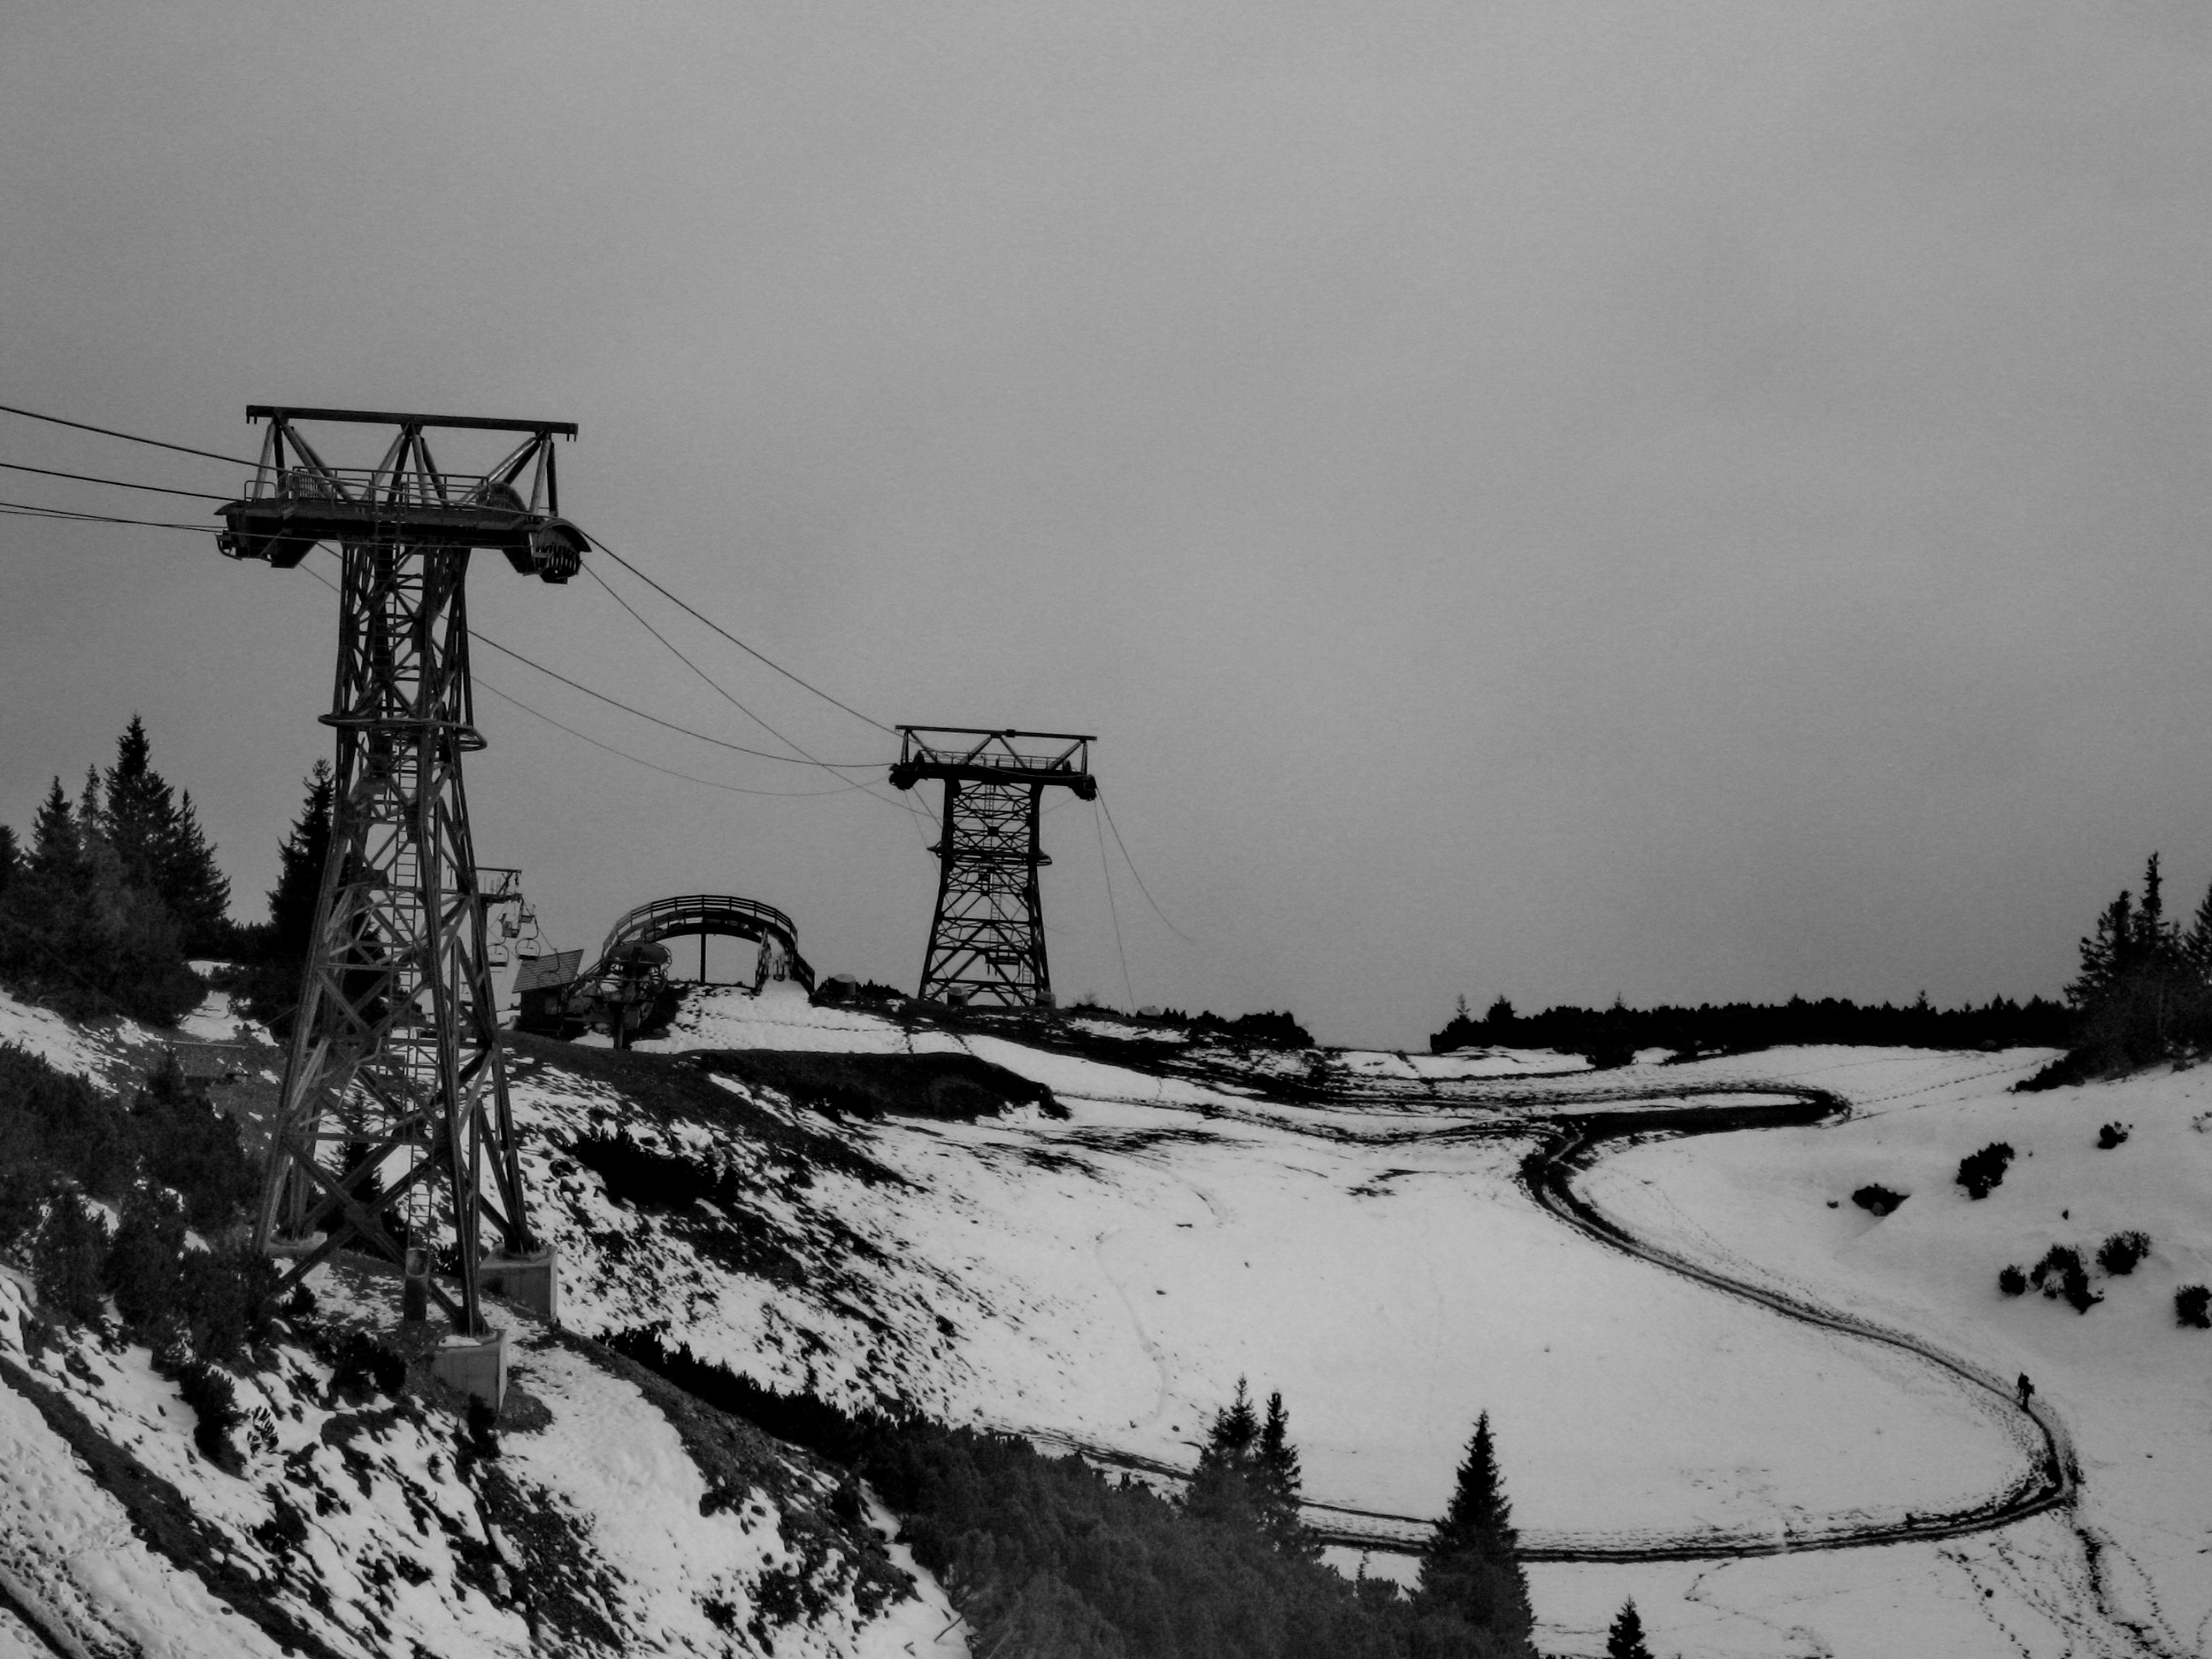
x=1683, y=501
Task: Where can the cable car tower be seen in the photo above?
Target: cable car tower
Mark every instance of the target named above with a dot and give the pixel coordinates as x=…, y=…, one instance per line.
x=395, y=1054
x=986, y=940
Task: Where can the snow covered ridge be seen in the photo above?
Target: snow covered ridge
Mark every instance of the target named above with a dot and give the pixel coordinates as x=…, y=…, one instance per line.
x=609, y=1514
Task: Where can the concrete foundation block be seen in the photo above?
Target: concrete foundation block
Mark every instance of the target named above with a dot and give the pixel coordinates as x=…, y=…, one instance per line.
x=528, y=1281
x=475, y=1367
x=286, y=1249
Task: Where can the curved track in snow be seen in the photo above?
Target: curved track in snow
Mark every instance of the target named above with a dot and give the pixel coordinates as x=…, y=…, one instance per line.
x=1571, y=1142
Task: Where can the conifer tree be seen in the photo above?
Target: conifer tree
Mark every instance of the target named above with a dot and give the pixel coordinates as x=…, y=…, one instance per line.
x=1469, y=1568
x=1222, y=1486
x=55, y=853
x=271, y=988
x=1281, y=1485
x=75, y=932
x=9, y=856
x=299, y=859
x=1625, y=1639
x=2196, y=942
x=160, y=843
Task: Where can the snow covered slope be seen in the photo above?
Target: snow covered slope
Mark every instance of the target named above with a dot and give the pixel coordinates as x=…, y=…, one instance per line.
x=617, y=1514
x=1105, y=1279
x=614, y=1517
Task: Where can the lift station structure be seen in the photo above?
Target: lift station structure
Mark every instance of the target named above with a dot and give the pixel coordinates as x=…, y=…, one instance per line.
x=987, y=939
x=395, y=1056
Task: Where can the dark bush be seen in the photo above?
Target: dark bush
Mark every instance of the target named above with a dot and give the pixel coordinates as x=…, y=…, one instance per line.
x=55, y=1126
x=2111, y=1135
x=1610, y=1054
x=483, y=1427
x=2011, y=1280
x=636, y=1174
x=23, y=1189
x=144, y=1268
x=2192, y=1306
x=1270, y=1031
x=1980, y=1173
x=1880, y=1200
x=67, y=1253
x=186, y=1143
x=2118, y=1255
x=360, y=1363
x=2060, y=1274
x=801, y=1418
x=227, y=1298
x=214, y=1401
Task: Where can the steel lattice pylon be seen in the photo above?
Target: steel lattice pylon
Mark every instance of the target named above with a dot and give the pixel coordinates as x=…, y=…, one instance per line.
x=986, y=938
x=395, y=1053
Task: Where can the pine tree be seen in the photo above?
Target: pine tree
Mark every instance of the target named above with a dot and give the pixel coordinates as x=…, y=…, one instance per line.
x=299, y=859
x=271, y=988
x=1469, y=1569
x=10, y=856
x=1222, y=1488
x=73, y=932
x=1625, y=1639
x=2197, y=943
x=1280, y=1485
x=159, y=840
x=56, y=854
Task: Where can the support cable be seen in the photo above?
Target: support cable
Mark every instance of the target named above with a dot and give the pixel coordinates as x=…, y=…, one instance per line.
x=653, y=766
x=1106, y=870
x=119, y=484
x=1132, y=863
x=128, y=437
x=33, y=510
x=483, y=684
x=715, y=686
x=733, y=639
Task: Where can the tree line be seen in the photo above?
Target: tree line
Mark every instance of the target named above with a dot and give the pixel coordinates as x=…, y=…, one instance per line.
x=116, y=892
x=1613, y=1036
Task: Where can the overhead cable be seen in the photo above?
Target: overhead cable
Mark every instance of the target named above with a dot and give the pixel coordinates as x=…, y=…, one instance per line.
x=128, y=437
x=732, y=638
x=119, y=484
x=1107, y=871
x=33, y=510
x=713, y=684
x=652, y=766
x=669, y=646
x=1134, y=870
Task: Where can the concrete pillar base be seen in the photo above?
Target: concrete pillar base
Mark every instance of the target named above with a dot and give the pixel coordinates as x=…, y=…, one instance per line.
x=285, y=1249
x=528, y=1281
x=474, y=1368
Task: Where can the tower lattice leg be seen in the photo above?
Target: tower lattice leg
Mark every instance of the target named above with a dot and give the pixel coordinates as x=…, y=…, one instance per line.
x=395, y=1076
x=987, y=939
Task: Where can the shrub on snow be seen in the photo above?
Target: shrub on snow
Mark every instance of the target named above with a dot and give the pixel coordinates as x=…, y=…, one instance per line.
x=1981, y=1172
x=2192, y=1306
x=2011, y=1280
x=2118, y=1255
x=2112, y=1134
x=1879, y=1199
x=2060, y=1273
